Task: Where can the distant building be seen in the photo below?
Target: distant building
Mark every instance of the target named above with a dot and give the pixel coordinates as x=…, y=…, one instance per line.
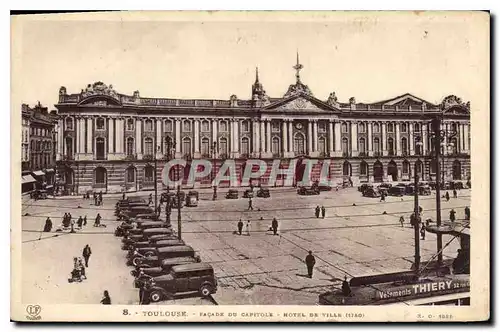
x=38, y=146
x=108, y=141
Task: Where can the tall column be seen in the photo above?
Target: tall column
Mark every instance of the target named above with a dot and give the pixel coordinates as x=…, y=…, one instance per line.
x=90, y=136
x=424, y=138
x=197, y=138
x=466, y=134
x=257, y=137
x=384, y=139
x=309, y=138
x=354, y=138
x=411, y=138
x=81, y=135
x=444, y=126
x=330, y=138
x=120, y=137
x=338, y=145
x=268, y=137
x=236, y=139
x=214, y=132
x=284, y=133
x=263, y=139
x=178, y=138
x=60, y=139
x=111, y=135
x=369, y=141
x=315, y=135
x=138, y=138
x=397, y=143
x=290, y=137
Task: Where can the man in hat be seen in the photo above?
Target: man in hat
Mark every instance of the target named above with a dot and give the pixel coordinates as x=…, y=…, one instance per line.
x=310, y=261
x=274, y=226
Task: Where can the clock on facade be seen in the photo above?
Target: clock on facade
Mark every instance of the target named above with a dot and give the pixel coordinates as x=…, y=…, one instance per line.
x=298, y=126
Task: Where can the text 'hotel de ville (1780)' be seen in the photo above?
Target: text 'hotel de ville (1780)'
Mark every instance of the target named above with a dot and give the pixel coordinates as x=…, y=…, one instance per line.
x=110, y=142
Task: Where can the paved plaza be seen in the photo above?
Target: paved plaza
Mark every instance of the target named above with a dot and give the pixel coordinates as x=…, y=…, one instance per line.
x=355, y=238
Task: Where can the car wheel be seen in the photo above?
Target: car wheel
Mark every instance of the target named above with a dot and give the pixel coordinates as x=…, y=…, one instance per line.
x=155, y=296
x=205, y=290
x=136, y=261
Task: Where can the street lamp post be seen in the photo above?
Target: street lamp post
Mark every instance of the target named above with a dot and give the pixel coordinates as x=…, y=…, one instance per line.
x=168, y=209
x=214, y=155
x=416, y=211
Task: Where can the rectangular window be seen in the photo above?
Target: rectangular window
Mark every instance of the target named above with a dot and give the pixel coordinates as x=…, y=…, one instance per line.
x=322, y=127
x=275, y=127
x=205, y=147
x=205, y=126
x=168, y=126
x=245, y=146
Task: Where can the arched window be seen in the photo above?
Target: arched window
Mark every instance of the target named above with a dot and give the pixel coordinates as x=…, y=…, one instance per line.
x=130, y=124
x=99, y=123
x=100, y=176
x=205, y=146
x=245, y=127
x=406, y=167
x=148, y=125
x=346, y=168
x=169, y=145
x=376, y=145
x=345, y=146
x=168, y=126
x=148, y=146
x=404, y=146
x=186, y=126
x=245, y=146
x=361, y=127
x=298, y=144
x=416, y=127
x=390, y=146
x=322, y=145
x=376, y=128
x=148, y=173
x=186, y=145
x=363, y=168
x=362, y=145
x=418, y=146
x=69, y=147
x=344, y=127
x=419, y=168
x=69, y=123
x=223, y=126
x=205, y=126
x=130, y=174
x=390, y=127
x=130, y=146
x=275, y=146
x=223, y=146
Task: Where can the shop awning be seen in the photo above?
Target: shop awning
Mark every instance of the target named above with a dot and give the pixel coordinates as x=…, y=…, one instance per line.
x=39, y=173
x=27, y=179
x=49, y=170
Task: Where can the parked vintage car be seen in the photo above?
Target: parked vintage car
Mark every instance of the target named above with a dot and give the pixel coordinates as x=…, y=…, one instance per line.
x=364, y=186
x=146, y=234
x=164, y=268
x=192, y=198
x=132, y=212
x=232, y=194
x=263, y=192
x=175, y=201
x=248, y=193
x=163, y=253
x=308, y=191
x=397, y=190
x=196, y=277
x=149, y=216
x=371, y=192
x=150, y=250
x=424, y=190
x=166, y=241
x=324, y=187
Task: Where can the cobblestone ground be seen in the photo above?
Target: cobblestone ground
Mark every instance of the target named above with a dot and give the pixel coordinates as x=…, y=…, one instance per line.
x=259, y=268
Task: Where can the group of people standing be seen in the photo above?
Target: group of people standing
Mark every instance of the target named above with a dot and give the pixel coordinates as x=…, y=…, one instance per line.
x=319, y=210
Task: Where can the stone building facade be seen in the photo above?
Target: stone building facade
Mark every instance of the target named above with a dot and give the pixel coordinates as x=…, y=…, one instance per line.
x=111, y=141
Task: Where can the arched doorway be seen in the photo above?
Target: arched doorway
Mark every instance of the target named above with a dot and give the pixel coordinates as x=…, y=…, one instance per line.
x=131, y=178
x=100, y=148
x=419, y=169
x=378, y=171
x=392, y=171
x=149, y=176
x=299, y=145
x=406, y=171
x=363, y=171
x=457, y=170
x=300, y=168
x=346, y=169
x=100, y=179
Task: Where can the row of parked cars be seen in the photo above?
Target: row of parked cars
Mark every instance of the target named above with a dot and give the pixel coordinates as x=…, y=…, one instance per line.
x=315, y=189
x=400, y=189
x=249, y=193
x=164, y=266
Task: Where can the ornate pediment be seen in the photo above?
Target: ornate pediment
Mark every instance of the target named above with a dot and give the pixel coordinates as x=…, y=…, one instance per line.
x=455, y=103
x=100, y=101
x=99, y=89
x=300, y=104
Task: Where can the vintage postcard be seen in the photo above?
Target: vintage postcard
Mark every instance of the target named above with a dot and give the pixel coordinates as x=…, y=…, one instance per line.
x=250, y=167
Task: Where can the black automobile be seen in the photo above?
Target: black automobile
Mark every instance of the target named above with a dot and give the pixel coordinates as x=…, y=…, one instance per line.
x=248, y=193
x=397, y=191
x=150, y=243
x=164, y=253
x=324, y=187
x=187, y=278
x=308, y=191
x=371, y=192
x=146, y=234
x=142, y=274
x=232, y=194
x=263, y=192
x=364, y=186
x=150, y=250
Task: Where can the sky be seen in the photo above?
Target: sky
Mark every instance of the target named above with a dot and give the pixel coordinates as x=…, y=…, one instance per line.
x=366, y=56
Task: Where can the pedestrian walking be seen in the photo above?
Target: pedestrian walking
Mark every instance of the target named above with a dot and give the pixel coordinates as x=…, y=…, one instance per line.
x=85, y=220
x=467, y=213
x=72, y=226
x=452, y=215
x=382, y=196
x=346, y=289
x=106, y=299
x=97, y=222
x=48, y=225
x=274, y=226
x=447, y=196
x=310, y=261
x=250, y=206
x=248, y=227
x=86, y=254
x=402, y=220
x=455, y=193
x=95, y=199
x=316, y=211
x=323, y=212
x=80, y=222
x=422, y=232
x=240, y=226
x=100, y=197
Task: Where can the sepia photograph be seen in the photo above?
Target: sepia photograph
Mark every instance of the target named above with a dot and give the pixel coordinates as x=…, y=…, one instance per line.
x=250, y=166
